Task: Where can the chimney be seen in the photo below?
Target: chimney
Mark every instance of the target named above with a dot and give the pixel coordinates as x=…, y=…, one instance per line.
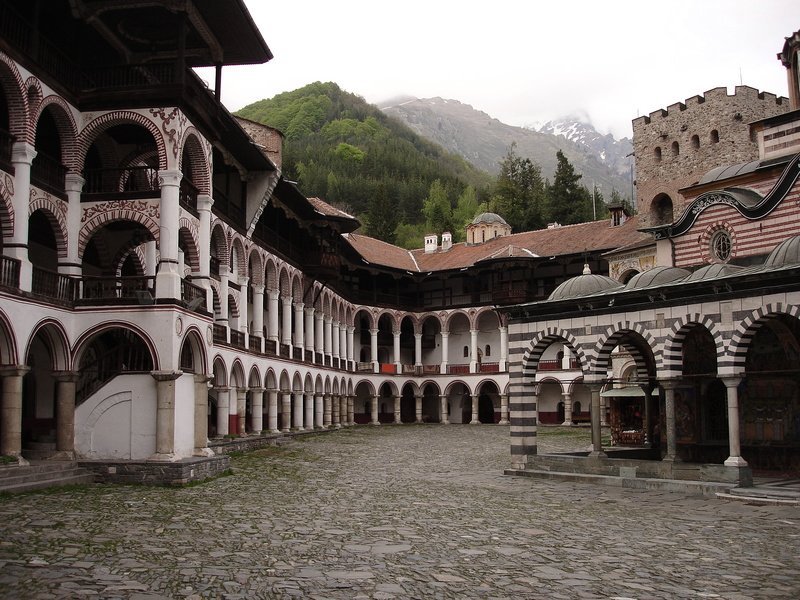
x=447, y=241
x=431, y=241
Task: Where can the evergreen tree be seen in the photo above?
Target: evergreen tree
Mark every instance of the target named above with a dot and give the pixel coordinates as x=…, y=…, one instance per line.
x=437, y=210
x=569, y=202
x=382, y=219
x=466, y=210
x=519, y=192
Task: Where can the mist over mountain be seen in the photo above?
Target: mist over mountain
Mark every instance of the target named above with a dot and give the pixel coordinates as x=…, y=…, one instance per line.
x=484, y=140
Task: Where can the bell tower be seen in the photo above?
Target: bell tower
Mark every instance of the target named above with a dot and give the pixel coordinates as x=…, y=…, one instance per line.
x=790, y=57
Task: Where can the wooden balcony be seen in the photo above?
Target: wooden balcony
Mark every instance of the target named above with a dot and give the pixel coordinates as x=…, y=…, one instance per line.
x=128, y=183
x=9, y=272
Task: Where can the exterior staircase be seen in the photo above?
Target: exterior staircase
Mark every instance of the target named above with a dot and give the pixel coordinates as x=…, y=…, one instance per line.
x=42, y=474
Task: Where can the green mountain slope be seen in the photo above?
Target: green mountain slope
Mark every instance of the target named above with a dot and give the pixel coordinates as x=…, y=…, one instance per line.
x=346, y=151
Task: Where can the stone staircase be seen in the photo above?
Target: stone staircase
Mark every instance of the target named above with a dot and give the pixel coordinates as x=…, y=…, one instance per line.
x=42, y=474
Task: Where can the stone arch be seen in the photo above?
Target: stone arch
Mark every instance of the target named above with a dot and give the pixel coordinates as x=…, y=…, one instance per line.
x=65, y=123
x=8, y=342
x=233, y=306
x=615, y=336
x=297, y=288
x=192, y=144
x=661, y=209
x=541, y=341
x=308, y=385
x=237, y=251
x=194, y=339
x=270, y=275
x=33, y=94
x=15, y=92
x=672, y=355
x=6, y=205
x=188, y=237
x=95, y=217
x=255, y=267
x=454, y=314
x=220, y=372
x=57, y=342
x=86, y=337
x=219, y=242
x=392, y=316
x=270, y=379
x=110, y=119
x=254, y=379
x=742, y=337
x=284, y=282
x=237, y=374
x=53, y=210
x=369, y=315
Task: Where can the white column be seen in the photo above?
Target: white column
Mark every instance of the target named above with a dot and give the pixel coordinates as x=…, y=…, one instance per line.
x=309, y=329
x=342, y=345
x=417, y=349
x=297, y=411
x=319, y=412
x=201, y=415
x=373, y=346
x=168, y=278
x=504, y=410
x=241, y=410
x=22, y=155
x=335, y=339
x=286, y=333
x=223, y=406
x=374, y=412
x=257, y=415
x=396, y=351
x=244, y=319
x=258, y=314
x=475, y=406
x=319, y=333
x=473, y=350
x=204, y=204
x=445, y=350
x=272, y=315
x=418, y=408
x=74, y=186
x=351, y=343
x=224, y=277
x=165, y=414
x=272, y=410
x=299, y=325
x=308, y=418
x=503, y=349
x=286, y=411
x=735, y=459
x=444, y=418
x=567, y=409
x=328, y=332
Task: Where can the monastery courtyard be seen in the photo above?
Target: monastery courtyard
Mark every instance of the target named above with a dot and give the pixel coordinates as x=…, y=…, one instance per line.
x=417, y=511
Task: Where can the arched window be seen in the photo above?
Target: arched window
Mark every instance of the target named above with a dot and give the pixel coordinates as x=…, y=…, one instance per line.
x=695, y=141
x=721, y=245
x=676, y=149
x=488, y=351
x=714, y=136
x=657, y=153
x=466, y=351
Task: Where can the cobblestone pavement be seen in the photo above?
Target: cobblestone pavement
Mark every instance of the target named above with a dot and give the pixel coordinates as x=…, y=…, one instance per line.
x=393, y=512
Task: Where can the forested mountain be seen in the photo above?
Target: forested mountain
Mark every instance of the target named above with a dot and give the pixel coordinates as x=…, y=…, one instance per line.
x=484, y=141
x=346, y=151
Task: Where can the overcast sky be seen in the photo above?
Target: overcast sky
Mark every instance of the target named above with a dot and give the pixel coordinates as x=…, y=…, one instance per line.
x=521, y=62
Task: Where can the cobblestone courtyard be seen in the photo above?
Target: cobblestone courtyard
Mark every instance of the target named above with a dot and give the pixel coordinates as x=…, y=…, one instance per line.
x=393, y=512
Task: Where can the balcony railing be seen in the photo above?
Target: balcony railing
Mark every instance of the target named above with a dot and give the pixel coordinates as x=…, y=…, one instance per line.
x=270, y=347
x=220, y=334
x=54, y=285
x=115, y=290
x=364, y=367
x=188, y=196
x=127, y=182
x=193, y=295
x=237, y=339
x=458, y=369
x=9, y=271
x=49, y=174
x=550, y=365
x=489, y=368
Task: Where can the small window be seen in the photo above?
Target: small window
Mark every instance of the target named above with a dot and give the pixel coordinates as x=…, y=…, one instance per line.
x=466, y=351
x=657, y=153
x=721, y=245
x=488, y=351
x=695, y=141
x=676, y=149
x=714, y=136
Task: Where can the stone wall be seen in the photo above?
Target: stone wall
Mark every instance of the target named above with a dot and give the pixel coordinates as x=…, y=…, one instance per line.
x=157, y=473
x=676, y=146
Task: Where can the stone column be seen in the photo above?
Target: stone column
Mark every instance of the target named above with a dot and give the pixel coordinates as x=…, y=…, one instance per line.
x=328, y=340
x=335, y=339
x=297, y=411
x=73, y=186
x=257, y=416
x=326, y=411
x=373, y=346
x=475, y=408
x=165, y=414
x=417, y=349
x=258, y=315
x=319, y=411
x=11, y=412
x=397, y=419
x=244, y=319
x=22, y=155
x=223, y=406
x=286, y=411
x=272, y=410
x=65, y=415
x=343, y=346
x=286, y=326
x=272, y=315
x=504, y=410
x=445, y=351
x=396, y=351
x=473, y=350
x=168, y=278
x=201, y=415
x=523, y=416
x=735, y=459
x=374, y=420
x=299, y=326
x=309, y=331
x=567, y=409
x=336, y=412
x=319, y=333
x=224, y=276
x=204, y=204
x=241, y=411
x=308, y=419
x=351, y=417
x=603, y=422
x=350, y=343
x=597, y=444
x=503, y=348
x=669, y=409
x=444, y=417
x=418, y=408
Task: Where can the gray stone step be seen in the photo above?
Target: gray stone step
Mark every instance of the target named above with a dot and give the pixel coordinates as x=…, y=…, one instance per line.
x=42, y=475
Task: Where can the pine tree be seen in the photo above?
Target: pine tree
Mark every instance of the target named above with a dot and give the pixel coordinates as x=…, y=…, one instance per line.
x=569, y=202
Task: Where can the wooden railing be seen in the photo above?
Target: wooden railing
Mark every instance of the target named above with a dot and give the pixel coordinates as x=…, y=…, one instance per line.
x=136, y=288
x=458, y=369
x=127, y=182
x=193, y=295
x=9, y=271
x=220, y=334
x=489, y=368
x=54, y=285
x=237, y=339
x=49, y=174
x=188, y=196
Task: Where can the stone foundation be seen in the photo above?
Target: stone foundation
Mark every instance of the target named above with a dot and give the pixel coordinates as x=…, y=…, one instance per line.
x=180, y=472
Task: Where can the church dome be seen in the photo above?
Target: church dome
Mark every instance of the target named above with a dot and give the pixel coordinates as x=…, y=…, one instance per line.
x=786, y=253
x=656, y=276
x=713, y=271
x=488, y=217
x=584, y=285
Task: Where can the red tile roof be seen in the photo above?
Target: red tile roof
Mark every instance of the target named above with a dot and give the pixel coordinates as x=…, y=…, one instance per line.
x=568, y=239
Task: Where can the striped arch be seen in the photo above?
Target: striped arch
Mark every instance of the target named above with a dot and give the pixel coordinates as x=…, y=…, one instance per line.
x=56, y=337
x=134, y=247
x=368, y=313
x=270, y=275
x=194, y=338
x=95, y=217
x=67, y=129
x=237, y=250
x=54, y=210
x=193, y=144
x=453, y=315
x=34, y=95
x=16, y=98
x=284, y=282
x=220, y=372
x=541, y=341
x=237, y=374
x=255, y=266
x=747, y=329
x=110, y=119
x=233, y=305
x=8, y=342
x=297, y=288
x=254, y=379
x=83, y=341
x=672, y=356
x=188, y=234
x=614, y=334
x=6, y=205
x=219, y=242
x=704, y=239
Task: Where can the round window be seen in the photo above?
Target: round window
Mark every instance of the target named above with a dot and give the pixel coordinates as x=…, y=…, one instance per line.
x=721, y=245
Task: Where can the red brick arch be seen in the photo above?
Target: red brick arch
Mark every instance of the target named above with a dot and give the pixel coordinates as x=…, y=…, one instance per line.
x=110, y=119
x=95, y=217
x=55, y=211
x=65, y=122
x=14, y=90
x=6, y=205
x=200, y=176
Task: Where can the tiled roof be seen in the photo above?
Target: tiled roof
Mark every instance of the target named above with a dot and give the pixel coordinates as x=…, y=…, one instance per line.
x=328, y=210
x=569, y=239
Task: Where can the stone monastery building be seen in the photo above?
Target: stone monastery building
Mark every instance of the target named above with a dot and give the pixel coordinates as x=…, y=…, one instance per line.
x=165, y=293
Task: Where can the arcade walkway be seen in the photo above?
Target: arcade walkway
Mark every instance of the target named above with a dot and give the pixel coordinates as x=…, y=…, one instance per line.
x=392, y=512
